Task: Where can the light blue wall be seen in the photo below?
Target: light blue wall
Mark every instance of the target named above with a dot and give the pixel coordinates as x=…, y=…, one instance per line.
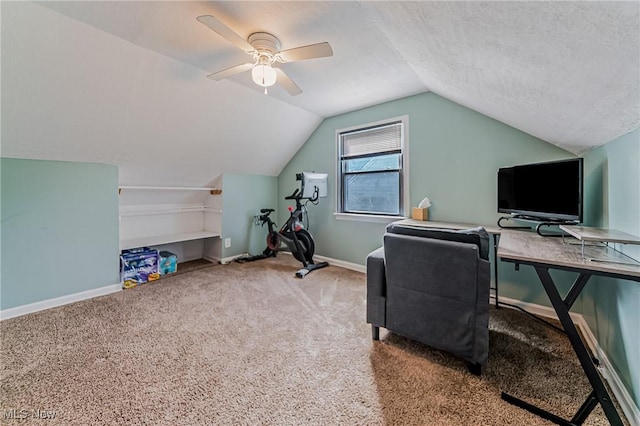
x=612, y=307
x=242, y=197
x=59, y=229
x=454, y=154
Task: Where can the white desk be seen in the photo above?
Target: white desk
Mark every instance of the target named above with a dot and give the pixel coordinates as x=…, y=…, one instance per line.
x=545, y=253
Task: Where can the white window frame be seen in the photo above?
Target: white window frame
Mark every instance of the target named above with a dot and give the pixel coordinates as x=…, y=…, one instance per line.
x=364, y=217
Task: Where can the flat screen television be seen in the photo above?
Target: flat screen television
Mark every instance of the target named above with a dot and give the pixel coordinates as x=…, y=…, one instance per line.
x=550, y=191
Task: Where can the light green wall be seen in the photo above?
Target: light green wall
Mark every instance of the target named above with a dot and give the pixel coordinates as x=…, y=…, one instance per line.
x=242, y=197
x=612, y=307
x=454, y=154
x=59, y=229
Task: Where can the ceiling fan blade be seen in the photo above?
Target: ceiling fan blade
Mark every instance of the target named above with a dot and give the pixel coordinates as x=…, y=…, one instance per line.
x=287, y=83
x=320, y=50
x=214, y=24
x=217, y=76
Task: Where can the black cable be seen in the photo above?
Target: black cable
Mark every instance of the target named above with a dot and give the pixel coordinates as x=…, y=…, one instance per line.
x=314, y=202
x=306, y=215
x=530, y=314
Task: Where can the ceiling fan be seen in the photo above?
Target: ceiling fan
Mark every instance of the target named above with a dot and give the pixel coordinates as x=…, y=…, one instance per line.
x=265, y=50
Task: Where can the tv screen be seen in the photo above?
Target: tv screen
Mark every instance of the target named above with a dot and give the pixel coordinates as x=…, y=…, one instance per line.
x=548, y=191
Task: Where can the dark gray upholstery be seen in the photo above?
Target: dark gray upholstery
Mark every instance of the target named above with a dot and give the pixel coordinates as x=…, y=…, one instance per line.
x=376, y=287
x=478, y=236
x=432, y=286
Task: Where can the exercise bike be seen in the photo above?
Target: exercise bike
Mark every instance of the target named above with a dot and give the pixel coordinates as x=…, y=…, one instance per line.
x=293, y=234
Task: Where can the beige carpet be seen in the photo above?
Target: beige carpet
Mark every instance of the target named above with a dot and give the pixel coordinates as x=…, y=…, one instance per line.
x=251, y=344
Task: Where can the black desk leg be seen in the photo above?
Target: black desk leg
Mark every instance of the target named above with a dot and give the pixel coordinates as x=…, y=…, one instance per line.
x=495, y=265
x=599, y=393
x=537, y=410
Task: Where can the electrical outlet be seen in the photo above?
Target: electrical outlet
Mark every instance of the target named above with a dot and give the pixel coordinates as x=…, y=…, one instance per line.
x=227, y=243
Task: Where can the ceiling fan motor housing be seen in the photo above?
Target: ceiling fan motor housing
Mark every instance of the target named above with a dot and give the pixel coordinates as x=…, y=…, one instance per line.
x=264, y=42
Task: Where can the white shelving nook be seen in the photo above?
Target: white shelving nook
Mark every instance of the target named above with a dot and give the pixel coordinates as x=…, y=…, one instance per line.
x=184, y=220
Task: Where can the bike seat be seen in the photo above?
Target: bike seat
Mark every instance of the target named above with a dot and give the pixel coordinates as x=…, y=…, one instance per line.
x=266, y=210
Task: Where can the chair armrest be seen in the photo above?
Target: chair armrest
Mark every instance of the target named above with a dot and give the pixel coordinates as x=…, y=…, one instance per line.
x=376, y=288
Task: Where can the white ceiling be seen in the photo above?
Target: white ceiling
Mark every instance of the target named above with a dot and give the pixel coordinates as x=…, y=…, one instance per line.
x=566, y=72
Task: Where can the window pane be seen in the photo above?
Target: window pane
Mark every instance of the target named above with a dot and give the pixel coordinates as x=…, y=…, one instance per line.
x=379, y=162
x=372, y=193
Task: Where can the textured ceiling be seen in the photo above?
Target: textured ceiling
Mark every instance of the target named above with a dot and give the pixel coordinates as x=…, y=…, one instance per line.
x=566, y=72
x=124, y=83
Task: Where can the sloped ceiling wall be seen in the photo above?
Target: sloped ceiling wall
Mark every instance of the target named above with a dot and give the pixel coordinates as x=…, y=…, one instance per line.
x=72, y=92
x=125, y=82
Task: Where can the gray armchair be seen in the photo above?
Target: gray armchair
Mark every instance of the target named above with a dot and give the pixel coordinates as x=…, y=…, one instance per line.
x=432, y=286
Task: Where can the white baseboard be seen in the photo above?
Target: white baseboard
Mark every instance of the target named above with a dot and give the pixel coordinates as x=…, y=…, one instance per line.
x=212, y=259
x=540, y=310
x=606, y=369
x=335, y=262
x=229, y=259
x=331, y=261
x=347, y=265
x=618, y=388
x=58, y=301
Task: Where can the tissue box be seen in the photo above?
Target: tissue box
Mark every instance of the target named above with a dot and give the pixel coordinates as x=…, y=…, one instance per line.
x=420, y=214
x=168, y=263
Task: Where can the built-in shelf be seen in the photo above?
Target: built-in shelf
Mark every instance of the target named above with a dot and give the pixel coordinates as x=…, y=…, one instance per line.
x=186, y=220
x=173, y=210
x=156, y=240
x=212, y=191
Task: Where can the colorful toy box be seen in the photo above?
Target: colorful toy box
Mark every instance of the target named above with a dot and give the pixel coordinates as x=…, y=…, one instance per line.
x=168, y=263
x=138, y=266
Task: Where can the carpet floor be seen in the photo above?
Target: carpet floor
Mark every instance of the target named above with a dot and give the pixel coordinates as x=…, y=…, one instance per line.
x=249, y=344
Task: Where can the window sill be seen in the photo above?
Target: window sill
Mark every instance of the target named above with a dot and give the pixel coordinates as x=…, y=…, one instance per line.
x=367, y=217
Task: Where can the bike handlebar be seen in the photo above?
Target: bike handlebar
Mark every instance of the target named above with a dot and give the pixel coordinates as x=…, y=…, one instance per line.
x=293, y=196
x=298, y=196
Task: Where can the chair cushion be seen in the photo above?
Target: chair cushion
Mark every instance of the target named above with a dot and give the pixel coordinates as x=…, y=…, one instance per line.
x=478, y=235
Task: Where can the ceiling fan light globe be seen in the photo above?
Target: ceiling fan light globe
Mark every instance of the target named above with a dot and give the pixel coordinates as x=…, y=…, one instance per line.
x=264, y=75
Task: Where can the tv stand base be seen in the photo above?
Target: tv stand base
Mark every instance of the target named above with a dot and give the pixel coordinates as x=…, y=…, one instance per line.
x=541, y=223
x=501, y=226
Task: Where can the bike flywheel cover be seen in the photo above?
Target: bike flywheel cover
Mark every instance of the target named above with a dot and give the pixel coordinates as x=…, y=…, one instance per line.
x=273, y=241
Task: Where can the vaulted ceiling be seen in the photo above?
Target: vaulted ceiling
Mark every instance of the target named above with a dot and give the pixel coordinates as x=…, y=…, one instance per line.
x=129, y=78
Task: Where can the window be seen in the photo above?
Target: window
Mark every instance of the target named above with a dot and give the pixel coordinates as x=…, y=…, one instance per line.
x=371, y=172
